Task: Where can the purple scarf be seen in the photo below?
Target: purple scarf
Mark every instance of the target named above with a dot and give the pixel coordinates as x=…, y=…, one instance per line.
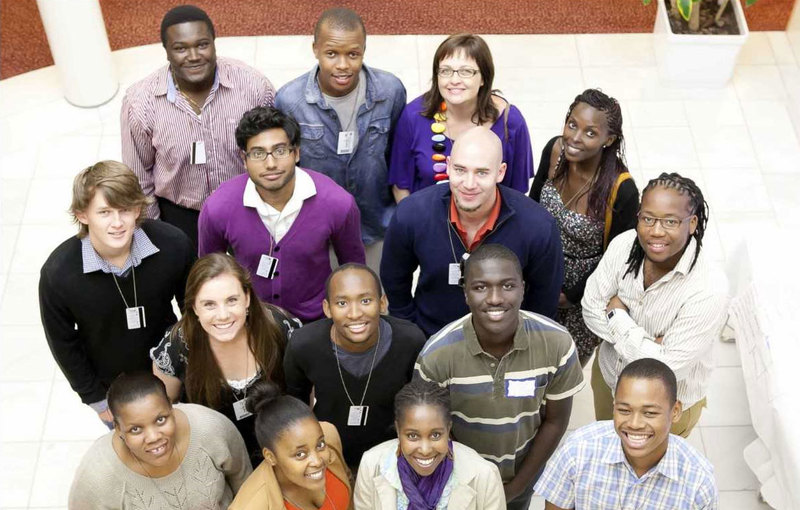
x=423, y=492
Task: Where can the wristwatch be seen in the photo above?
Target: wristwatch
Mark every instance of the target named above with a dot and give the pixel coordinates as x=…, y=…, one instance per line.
x=611, y=313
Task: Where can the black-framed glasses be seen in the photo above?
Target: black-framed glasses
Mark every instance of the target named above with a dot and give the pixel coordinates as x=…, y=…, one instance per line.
x=463, y=72
x=280, y=152
x=666, y=223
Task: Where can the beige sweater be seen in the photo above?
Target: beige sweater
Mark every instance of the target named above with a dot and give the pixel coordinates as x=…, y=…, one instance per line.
x=214, y=467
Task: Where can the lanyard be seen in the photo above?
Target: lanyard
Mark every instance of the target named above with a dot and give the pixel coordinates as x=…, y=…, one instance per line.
x=135, y=298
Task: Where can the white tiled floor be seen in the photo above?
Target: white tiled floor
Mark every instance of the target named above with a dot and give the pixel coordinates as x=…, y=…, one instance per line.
x=740, y=143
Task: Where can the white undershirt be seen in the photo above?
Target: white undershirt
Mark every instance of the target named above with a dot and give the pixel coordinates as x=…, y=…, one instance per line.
x=278, y=222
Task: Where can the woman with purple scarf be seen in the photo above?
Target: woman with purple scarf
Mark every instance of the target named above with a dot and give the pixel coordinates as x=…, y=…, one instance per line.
x=423, y=469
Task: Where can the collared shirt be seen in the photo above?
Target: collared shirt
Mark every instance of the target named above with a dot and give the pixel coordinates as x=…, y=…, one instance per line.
x=159, y=128
x=485, y=229
x=279, y=222
x=363, y=173
x=590, y=472
x=141, y=248
x=495, y=403
x=687, y=307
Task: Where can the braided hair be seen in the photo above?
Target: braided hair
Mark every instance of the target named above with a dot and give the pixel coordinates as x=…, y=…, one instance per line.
x=699, y=208
x=612, y=162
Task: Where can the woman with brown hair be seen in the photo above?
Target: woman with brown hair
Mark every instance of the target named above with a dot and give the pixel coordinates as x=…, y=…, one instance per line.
x=225, y=342
x=460, y=98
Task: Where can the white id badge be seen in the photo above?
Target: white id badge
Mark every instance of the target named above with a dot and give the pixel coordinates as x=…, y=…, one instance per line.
x=518, y=388
x=198, y=155
x=357, y=416
x=453, y=273
x=135, y=317
x=347, y=142
x=240, y=411
x=267, y=267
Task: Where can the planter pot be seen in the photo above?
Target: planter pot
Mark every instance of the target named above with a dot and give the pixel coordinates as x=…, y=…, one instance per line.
x=688, y=60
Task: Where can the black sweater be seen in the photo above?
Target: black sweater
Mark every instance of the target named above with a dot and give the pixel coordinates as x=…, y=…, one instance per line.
x=84, y=316
x=310, y=363
x=623, y=216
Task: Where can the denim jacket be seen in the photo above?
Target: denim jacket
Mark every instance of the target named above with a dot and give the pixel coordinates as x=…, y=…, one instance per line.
x=364, y=174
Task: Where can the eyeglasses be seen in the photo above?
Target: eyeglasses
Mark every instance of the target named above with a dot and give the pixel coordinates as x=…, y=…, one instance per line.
x=463, y=72
x=281, y=152
x=666, y=223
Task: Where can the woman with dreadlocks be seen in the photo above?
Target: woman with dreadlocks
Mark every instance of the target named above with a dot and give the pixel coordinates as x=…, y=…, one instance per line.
x=582, y=180
x=654, y=295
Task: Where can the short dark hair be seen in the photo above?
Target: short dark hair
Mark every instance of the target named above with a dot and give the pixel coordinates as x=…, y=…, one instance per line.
x=184, y=14
x=420, y=393
x=340, y=18
x=262, y=118
x=127, y=388
x=274, y=412
x=492, y=251
x=352, y=266
x=650, y=368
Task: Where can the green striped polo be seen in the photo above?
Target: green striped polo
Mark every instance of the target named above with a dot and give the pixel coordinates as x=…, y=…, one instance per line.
x=495, y=403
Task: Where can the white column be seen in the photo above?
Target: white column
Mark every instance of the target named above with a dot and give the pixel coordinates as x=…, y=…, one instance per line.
x=79, y=44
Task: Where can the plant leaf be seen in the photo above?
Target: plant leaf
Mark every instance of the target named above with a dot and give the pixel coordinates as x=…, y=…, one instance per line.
x=748, y=3
x=646, y=2
x=685, y=8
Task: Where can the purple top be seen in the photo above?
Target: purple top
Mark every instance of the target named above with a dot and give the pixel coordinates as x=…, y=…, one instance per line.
x=411, y=166
x=328, y=218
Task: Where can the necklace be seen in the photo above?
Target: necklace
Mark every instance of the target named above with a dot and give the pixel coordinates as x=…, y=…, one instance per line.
x=196, y=107
x=584, y=189
x=369, y=376
x=438, y=127
x=327, y=498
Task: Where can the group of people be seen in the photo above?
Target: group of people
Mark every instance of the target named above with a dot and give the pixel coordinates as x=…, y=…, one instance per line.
x=311, y=368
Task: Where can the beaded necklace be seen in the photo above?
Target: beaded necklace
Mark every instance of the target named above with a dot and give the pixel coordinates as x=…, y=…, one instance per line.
x=438, y=128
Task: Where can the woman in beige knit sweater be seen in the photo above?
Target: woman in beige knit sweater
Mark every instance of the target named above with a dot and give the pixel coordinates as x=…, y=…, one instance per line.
x=160, y=457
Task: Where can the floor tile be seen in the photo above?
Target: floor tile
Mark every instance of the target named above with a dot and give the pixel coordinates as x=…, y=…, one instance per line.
x=733, y=230
x=48, y=201
x=20, y=304
x=758, y=82
x=550, y=84
x=726, y=189
x=13, y=196
x=537, y=503
x=68, y=419
x=782, y=191
x=25, y=355
x=65, y=156
x=58, y=460
x=727, y=399
x=426, y=49
x=287, y=51
x=18, y=165
x=532, y=51
x=724, y=147
x=542, y=113
x=392, y=52
x=781, y=48
x=741, y=500
x=634, y=83
x=36, y=242
x=17, y=468
x=25, y=91
x=666, y=148
x=583, y=403
x=8, y=241
x=110, y=148
x=696, y=440
x=757, y=50
x=134, y=64
x=724, y=446
x=710, y=114
x=616, y=49
x=24, y=406
x=240, y=48
x=656, y=114
x=726, y=354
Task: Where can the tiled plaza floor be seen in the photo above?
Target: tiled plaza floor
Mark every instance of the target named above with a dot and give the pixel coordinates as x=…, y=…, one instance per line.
x=738, y=142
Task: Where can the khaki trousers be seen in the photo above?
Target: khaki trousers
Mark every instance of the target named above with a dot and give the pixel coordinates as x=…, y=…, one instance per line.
x=604, y=404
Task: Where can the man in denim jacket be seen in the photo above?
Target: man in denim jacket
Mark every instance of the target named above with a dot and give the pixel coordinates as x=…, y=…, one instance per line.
x=347, y=113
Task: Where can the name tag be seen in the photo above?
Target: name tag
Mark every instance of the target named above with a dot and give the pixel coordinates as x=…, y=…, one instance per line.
x=519, y=388
x=267, y=267
x=198, y=154
x=357, y=416
x=135, y=317
x=240, y=410
x=454, y=274
x=347, y=142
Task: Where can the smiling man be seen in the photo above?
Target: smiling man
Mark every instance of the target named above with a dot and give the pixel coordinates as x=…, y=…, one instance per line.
x=178, y=123
x=105, y=295
x=279, y=219
x=502, y=365
x=436, y=228
x=355, y=360
x=634, y=461
x=347, y=112
x=654, y=295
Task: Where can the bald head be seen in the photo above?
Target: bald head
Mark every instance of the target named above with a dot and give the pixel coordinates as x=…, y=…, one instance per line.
x=475, y=141
x=474, y=167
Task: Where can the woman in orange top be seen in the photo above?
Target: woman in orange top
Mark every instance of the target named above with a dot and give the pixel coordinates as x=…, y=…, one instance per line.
x=303, y=468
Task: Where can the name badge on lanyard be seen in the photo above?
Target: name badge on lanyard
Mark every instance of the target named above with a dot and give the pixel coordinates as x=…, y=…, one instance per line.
x=357, y=416
x=135, y=317
x=267, y=267
x=347, y=142
x=240, y=410
x=198, y=153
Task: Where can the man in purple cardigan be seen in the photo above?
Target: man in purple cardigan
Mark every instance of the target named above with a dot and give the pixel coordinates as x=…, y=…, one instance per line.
x=280, y=220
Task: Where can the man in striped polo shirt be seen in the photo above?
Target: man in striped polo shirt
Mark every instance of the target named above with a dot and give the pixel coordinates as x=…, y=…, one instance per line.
x=178, y=124
x=502, y=366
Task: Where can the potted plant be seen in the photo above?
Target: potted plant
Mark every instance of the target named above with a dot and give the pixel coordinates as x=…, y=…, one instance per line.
x=697, y=42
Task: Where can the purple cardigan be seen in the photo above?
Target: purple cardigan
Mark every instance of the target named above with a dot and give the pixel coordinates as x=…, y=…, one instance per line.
x=328, y=218
x=411, y=166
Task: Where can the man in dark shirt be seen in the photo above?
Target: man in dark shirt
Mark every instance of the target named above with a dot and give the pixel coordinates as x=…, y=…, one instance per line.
x=105, y=295
x=355, y=360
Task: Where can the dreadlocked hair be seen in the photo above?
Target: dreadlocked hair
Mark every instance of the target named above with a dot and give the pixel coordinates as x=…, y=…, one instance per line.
x=699, y=208
x=612, y=162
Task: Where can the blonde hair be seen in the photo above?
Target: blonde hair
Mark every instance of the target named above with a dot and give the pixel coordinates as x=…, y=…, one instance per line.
x=119, y=185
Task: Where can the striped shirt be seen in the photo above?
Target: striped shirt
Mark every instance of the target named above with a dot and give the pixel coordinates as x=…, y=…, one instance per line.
x=688, y=308
x=495, y=403
x=159, y=128
x=590, y=472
